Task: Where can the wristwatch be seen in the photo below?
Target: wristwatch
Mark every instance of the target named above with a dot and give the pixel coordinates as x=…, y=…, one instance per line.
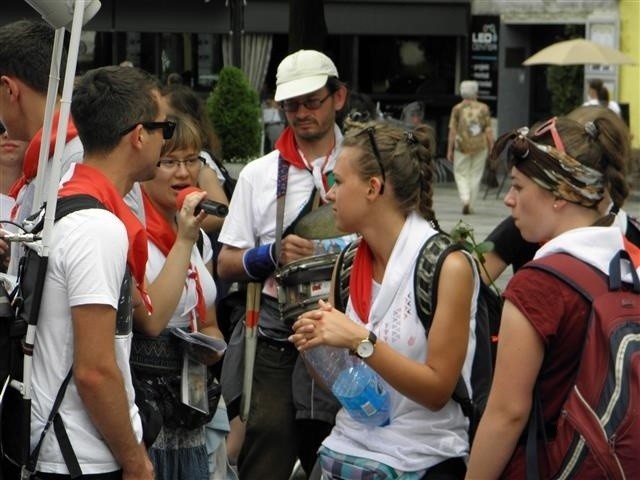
x=365, y=347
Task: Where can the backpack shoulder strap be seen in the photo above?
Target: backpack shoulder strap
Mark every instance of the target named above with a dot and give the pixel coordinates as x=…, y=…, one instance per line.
x=70, y=204
x=343, y=273
x=426, y=274
x=584, y=278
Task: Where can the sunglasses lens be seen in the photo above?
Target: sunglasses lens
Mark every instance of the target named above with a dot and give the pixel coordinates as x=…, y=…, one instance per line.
x=2, y=129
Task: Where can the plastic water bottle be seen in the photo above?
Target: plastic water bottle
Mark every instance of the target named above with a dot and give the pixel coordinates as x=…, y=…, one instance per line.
x=358, y=388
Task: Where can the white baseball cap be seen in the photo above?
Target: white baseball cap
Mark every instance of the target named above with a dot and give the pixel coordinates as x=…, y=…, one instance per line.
x=303, y=72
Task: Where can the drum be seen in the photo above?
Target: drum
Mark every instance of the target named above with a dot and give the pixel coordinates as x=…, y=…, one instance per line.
x=302, y=283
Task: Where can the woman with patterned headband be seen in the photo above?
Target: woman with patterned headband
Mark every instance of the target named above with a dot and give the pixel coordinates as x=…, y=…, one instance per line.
x=559, y=173
x=384, y=191
x=509, y=246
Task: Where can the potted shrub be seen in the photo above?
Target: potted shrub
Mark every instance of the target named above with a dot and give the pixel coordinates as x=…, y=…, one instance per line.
x=234, y=109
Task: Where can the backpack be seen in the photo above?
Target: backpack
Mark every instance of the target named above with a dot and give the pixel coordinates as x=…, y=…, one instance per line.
x=17, y=333
x=229, y=184
x=425, y=287
x=598, y=430
x=472, y=119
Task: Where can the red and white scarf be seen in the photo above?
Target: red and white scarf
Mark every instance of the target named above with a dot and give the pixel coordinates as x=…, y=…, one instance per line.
x=32, y=154
x=91, y=181
x=164, y=236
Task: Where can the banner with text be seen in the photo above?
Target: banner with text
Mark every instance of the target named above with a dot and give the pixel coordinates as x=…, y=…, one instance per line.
x=483, y=57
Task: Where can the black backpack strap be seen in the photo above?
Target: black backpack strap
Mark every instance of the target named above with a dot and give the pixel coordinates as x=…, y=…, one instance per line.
x=63, y=439
x=70, y=204
x=425, y=287
x=427, y=273
x=344, y=264
x=64, y=207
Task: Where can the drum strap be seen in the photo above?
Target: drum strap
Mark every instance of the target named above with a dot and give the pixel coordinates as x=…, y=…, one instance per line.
x=281, y=193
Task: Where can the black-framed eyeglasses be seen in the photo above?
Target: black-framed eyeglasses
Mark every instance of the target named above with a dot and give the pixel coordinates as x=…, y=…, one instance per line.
x=167, y=128
x=2, y=129
x=171, y=164
x=292, y=106
x=371, y=134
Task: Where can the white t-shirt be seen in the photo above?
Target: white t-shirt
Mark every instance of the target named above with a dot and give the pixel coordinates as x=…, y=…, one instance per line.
x=86, y=266
x=6, y=204
x=72, y=153
x=416, y=438
x=188, y=301
x=251, y=220
x=611, y=105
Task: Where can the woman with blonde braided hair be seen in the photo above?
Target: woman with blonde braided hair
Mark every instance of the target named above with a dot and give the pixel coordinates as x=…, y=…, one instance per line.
x=559, y=172
x=383, y=191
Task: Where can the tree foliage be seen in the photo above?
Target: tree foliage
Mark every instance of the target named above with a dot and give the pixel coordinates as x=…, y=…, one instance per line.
x=234, y=109
x=565, y=85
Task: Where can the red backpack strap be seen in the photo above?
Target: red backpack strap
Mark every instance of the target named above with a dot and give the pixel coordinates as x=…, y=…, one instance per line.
x=584, y=278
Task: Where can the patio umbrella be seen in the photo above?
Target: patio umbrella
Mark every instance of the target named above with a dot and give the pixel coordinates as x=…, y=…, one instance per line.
x=578, y=52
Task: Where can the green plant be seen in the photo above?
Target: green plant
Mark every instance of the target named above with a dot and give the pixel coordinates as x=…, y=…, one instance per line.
x=234, y=109
x=463, y=233
x=565, y=85
x=565, y=82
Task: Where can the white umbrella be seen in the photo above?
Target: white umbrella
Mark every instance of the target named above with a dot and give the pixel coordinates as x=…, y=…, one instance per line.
x=578, y=52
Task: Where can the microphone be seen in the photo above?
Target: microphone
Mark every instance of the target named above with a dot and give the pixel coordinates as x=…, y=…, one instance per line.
x=209, y=206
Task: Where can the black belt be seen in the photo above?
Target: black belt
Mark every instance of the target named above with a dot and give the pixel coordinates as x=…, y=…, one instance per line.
x=273, y=344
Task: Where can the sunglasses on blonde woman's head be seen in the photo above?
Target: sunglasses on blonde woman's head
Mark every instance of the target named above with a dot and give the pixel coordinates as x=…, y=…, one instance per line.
x=371, y=131
x=550, y=127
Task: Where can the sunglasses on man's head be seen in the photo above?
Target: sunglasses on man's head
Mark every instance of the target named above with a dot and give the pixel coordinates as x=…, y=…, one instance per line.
x=167, y=128
x=550, y=127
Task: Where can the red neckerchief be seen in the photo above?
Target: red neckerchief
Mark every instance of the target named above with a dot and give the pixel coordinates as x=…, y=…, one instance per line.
x=163, y=236
x=288, y=148
x=32, y=153
x=90, y=181
x=634, y=251
x=360, y=281
x=286, y=145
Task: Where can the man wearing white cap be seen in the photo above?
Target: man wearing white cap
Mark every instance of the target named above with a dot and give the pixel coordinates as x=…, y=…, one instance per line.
x=283, y=423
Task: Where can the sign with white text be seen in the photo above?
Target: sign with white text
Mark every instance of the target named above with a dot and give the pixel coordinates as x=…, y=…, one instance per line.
x=483, y=56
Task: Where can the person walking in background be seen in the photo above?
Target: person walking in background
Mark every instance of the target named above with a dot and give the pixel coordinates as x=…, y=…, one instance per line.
x=86, y=327
x=287, y=418
x=470, y=140
x=25, y=59
x=183, y=294
x=559, y=173
x=598, y=94
x=383, y=190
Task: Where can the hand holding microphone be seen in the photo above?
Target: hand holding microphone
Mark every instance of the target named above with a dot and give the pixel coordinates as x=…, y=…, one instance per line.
x=208, y=206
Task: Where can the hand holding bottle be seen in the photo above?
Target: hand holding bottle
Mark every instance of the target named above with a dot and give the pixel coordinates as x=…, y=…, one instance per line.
x=326, y=326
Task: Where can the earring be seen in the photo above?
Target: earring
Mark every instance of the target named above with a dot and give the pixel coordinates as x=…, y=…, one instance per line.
x=555, y=206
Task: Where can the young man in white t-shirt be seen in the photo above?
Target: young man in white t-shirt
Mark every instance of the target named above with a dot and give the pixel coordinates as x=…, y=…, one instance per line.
x=25, y=62
x=84, y=328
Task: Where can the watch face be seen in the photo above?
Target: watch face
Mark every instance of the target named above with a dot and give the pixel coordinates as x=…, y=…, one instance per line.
x=365, y=349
